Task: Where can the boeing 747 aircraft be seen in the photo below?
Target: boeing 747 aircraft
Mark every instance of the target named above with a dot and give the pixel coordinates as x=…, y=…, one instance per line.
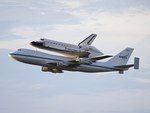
x=82, y=50
x=56, y=64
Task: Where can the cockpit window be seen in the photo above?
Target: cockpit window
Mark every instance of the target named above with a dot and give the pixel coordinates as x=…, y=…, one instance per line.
x=42, y=39
x=19, y=49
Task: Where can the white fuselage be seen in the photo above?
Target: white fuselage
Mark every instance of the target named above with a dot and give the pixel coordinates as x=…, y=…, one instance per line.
x=67, y=49
x=62, y=63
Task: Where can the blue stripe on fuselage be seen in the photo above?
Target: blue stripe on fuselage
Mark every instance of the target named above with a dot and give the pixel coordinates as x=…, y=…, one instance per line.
x=35, y=57
x=62, y=60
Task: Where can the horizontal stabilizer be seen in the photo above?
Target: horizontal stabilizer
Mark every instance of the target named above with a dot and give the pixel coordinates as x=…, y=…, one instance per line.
x=125, y=66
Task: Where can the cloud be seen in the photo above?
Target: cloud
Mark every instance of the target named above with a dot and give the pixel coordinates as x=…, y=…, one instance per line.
x=34, y=13
x=118, y=24
x=30, y=90
x=42, y=19
x=117, y=6
x=110, y=102
x=24, y=31
x=5, y=32
x=143, y=80
x=70, y=4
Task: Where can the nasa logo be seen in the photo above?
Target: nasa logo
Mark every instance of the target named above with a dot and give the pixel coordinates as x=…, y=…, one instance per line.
x=124, y=57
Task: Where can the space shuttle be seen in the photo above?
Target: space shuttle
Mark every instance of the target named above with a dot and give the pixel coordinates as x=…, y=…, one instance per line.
x=83, y=50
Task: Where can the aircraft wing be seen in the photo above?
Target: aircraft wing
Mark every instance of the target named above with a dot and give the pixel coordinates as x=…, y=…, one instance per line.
x=135, y=65
x=69, y=63
x=101, y=57
x=74, y=62
x=87, y=60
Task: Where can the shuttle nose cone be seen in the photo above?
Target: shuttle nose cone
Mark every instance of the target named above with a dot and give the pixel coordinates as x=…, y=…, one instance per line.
x=33, y=43
x=37, y=44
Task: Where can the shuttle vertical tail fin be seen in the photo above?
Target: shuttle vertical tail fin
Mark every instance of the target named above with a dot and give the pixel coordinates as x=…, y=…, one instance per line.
x=88, y=40
x=121, y=58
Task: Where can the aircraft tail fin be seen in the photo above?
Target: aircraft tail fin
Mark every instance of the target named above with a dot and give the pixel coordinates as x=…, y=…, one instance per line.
x=88, y=40
x=121, y=58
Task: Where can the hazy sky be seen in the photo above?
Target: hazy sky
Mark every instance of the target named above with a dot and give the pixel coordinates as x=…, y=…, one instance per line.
x=118, y=23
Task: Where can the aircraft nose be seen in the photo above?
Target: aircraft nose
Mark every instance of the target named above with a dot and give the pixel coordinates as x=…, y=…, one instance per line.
x=34, y=43
x=12, y=54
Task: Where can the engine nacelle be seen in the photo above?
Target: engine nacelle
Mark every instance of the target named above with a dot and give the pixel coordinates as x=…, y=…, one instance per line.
x=45, y=69
x=53, y=70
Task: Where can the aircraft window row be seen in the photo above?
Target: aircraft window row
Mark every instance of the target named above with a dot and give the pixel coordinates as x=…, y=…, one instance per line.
x=60, y=44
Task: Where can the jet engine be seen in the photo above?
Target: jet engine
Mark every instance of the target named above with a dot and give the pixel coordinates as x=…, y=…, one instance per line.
x=53, y=70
